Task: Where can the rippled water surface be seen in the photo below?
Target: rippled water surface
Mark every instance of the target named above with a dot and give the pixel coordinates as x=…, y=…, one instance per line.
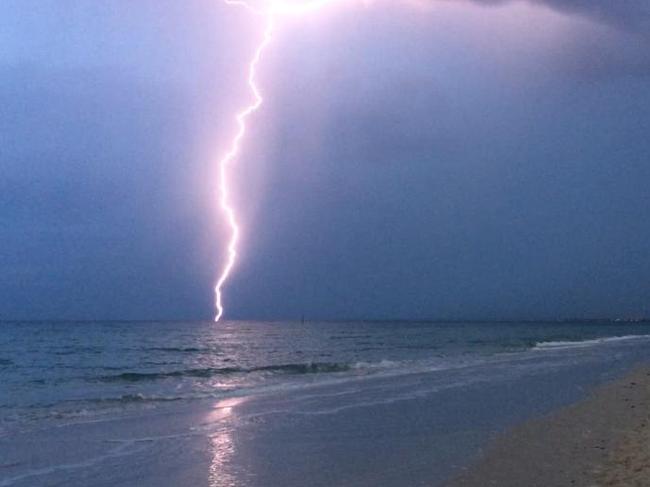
x=253, y=404
x=58, y=369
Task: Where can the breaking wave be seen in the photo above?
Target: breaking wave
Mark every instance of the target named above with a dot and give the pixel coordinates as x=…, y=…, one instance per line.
x=290, y=369
x=180, y=349
x=559, y=345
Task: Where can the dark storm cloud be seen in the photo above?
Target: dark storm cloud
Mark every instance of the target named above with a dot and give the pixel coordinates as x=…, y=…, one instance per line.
x=625, y=13
x=602, y=55
x=630, y=14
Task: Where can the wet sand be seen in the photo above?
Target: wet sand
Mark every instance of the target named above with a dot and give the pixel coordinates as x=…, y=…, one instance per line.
x=603, y=440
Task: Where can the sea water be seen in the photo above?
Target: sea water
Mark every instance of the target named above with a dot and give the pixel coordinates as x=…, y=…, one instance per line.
x=258, y=403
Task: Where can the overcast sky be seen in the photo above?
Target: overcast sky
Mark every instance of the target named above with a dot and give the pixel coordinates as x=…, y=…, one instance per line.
x=417, y=159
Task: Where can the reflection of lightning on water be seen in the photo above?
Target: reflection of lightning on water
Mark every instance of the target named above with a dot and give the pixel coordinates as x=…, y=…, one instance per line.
x=274, y=8
x=221, y=473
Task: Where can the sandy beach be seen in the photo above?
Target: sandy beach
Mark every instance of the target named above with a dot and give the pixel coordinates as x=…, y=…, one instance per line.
x=603, y=440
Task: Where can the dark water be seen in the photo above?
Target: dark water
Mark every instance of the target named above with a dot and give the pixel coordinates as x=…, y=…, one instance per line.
x=262, y=404
x=67, y=369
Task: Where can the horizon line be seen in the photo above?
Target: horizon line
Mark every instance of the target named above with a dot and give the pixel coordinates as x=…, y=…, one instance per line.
x=336, y=320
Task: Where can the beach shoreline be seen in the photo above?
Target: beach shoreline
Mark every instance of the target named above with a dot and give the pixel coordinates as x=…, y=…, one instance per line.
x=240, y=405
x=602, y=440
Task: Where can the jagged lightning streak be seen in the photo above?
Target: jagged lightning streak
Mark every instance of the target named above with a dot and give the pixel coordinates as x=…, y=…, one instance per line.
x=224, y=190
x=273, y=9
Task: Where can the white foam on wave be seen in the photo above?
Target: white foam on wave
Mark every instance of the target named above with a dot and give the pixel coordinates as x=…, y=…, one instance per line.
x=560, y=345
x=369, y=366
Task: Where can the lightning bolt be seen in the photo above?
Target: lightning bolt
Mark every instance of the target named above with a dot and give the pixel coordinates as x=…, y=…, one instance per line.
x=273, y=9
x=225, y=203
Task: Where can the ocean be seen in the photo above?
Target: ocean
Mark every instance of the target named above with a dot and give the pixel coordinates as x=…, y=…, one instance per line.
x=283, y=403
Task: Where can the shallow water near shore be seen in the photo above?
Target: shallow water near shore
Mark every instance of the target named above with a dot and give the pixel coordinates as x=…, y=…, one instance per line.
x=251, y=403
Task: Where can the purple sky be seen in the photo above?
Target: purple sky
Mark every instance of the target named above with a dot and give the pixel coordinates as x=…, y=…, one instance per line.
x=424, y=159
